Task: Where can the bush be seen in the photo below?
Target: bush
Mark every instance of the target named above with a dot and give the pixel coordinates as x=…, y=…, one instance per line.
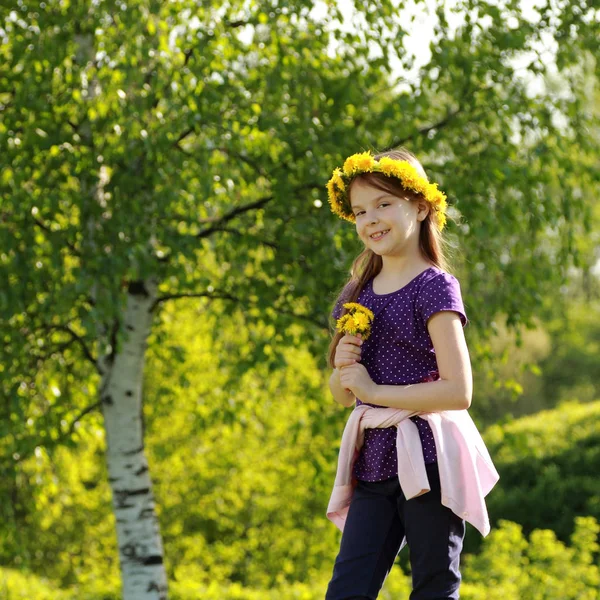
x=548, y=465
x=509, y=566
x=542, y=568
x=15, y=585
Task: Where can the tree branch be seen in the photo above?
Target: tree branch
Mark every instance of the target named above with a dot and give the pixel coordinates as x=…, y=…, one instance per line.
x=238, y=210
x=182, y=136
x=425, y=130
x=45, y=227
x=442, y=123
x=227, y=296
x=80, y=341
x=234, y=24
x=24, y=455
x=245, y=208
x=273, y=245
x=245, y=159
x=80, y=416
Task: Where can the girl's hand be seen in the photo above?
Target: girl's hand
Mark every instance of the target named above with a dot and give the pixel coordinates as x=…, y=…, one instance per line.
x=348, y=351
x=356, y=378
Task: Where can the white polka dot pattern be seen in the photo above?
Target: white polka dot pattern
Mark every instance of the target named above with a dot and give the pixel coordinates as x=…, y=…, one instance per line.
x=399, y=351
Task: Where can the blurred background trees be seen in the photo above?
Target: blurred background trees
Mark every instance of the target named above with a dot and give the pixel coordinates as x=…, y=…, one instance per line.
x=187, y=145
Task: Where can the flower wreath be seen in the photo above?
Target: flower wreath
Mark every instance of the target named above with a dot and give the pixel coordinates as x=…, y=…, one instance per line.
x=364, y=162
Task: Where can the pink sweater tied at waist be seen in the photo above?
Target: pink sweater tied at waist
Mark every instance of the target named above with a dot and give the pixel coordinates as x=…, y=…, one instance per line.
x=467, y=473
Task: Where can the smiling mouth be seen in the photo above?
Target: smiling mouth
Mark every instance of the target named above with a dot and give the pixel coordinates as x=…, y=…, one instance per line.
x=379, y=235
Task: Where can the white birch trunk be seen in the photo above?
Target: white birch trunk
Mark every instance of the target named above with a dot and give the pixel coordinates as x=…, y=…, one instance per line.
x=140, y=543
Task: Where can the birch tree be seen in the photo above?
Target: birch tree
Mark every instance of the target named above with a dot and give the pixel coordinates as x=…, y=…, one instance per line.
x=153, y=151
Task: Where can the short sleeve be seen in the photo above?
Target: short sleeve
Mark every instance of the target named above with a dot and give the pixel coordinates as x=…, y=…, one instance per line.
x=441, y=292
x=336, y=313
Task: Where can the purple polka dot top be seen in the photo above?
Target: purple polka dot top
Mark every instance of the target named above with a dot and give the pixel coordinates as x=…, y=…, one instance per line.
x=399, y=351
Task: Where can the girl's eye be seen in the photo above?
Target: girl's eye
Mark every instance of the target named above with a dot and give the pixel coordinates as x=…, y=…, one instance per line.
x=382, y=204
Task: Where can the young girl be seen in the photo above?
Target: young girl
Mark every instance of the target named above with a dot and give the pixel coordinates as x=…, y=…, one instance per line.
x=412, y=466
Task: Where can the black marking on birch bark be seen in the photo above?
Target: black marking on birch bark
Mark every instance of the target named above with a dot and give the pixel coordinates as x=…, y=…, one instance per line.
x=127, y=493
x=128, y=550
x=146, y=513
x=108, y=400
x=137, y=288
x=156, y=587
x=129, y=327
x=139, y=492
x=129, y=393
x=135, y=451
x=121, y=499
x=141, y=470
x=139, y=553
x=113, y=479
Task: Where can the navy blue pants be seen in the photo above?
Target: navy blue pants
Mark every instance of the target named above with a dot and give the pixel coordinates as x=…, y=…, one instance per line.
x=378, y=518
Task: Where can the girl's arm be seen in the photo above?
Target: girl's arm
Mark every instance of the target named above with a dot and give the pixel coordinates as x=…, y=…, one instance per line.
x=340, y=395
x=454, y=389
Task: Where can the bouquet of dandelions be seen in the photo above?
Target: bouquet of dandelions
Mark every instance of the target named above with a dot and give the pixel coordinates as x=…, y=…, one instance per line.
x=357, y=321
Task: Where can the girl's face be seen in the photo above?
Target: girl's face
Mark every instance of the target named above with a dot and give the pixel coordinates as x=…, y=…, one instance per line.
x=376, y=211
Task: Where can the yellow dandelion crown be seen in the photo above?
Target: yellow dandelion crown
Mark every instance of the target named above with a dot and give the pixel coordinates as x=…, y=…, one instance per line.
x=365, y=162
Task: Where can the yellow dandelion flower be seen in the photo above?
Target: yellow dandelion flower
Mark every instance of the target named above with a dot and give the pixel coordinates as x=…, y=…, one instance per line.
x=341, y=322
x=350, y=165
x=387, y=165
x=357, y=306
x=358, y=162
x=357, y=321
x=365, y=162
x=361, y=320
x=337, y=180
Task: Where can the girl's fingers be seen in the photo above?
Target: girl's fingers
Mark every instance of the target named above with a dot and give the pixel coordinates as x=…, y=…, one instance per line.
x=354, y=340
x=352, y=349
x=346, y=363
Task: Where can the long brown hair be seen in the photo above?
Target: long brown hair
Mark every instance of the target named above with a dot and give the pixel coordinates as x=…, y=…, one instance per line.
x=368, y=264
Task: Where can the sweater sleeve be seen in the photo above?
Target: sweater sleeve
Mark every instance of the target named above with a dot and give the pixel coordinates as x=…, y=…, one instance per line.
x=441, y=292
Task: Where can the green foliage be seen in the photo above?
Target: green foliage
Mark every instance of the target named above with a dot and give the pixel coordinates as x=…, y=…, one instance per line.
x=166, y=139
x=541, y=568
x=548, y=465
x=507, y=381
x=243, y=465
x=508, y=566
x=570, y=370
x=538, y=369
x=20, y=586
x=61, y=526
x=231, y=458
